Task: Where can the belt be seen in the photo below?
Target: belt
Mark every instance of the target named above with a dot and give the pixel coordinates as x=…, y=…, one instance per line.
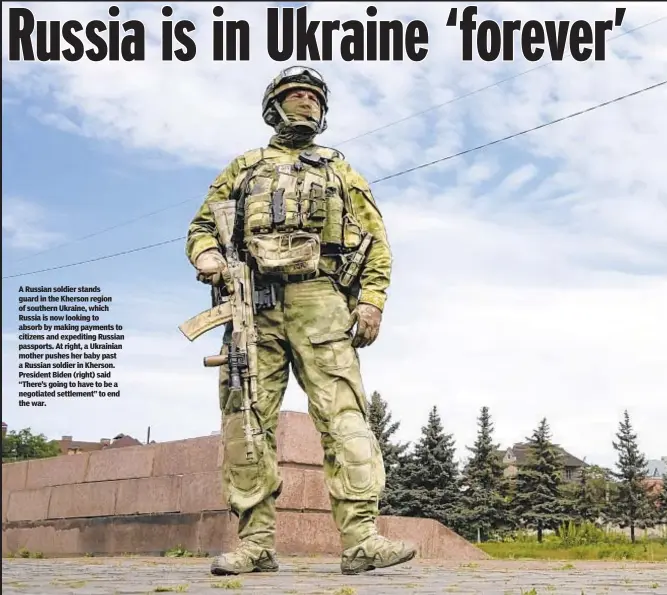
x=277, y=278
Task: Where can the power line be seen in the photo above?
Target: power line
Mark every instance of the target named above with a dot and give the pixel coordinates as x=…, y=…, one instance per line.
x=64, y=266
x=353, y=138
x=511, y=136
x=395, y=175
x=116, y=226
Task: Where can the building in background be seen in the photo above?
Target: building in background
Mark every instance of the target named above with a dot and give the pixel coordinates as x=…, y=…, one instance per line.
x=656, y=468
x=69, y=446
x=517, y=455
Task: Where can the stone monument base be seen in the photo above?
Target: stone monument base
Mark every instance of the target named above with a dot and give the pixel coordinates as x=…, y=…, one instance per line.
x=150, y=499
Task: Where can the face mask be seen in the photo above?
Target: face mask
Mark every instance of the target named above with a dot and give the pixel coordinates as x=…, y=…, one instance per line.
x=303, y=114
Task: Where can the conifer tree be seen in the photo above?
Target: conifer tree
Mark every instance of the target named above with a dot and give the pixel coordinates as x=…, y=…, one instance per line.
x=631, y=505
x=483, y=484
x=379, y=418
x=538, y=500
x=429, y=477
x=589, y=495
x=661, y=502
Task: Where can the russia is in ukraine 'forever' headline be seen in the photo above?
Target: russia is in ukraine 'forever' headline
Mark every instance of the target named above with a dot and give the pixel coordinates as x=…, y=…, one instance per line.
x=291, y=35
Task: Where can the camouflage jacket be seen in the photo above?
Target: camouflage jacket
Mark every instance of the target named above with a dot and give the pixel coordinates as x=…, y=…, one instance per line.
x=376, y=273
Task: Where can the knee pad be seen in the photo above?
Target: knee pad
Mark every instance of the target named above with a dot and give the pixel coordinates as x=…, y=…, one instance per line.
x=360, y=473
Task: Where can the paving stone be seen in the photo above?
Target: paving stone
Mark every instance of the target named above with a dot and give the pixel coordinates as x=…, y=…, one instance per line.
x=128, y=575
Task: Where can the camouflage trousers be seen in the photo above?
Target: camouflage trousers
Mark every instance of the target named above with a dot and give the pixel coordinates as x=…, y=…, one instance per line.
x=307, y=331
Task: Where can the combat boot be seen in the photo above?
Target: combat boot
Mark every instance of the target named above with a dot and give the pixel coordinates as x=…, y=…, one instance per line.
x=373, y=552
x=247, y=557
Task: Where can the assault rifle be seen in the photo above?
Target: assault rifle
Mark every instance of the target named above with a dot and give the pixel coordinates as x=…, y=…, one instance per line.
x=239, y=308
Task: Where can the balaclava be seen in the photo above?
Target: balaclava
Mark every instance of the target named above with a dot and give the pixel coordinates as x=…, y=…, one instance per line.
x=303, y=113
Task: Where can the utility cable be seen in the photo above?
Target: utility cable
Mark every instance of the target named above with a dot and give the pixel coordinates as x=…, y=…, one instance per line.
x=353, y=138
x=511, y=136
x=64, y=266
x=395, y=175
x=116, y=226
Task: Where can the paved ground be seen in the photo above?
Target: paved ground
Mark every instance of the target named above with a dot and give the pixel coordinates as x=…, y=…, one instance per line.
x=322, y=576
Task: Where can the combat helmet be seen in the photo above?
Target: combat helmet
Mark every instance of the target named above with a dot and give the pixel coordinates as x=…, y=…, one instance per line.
x=295, y=77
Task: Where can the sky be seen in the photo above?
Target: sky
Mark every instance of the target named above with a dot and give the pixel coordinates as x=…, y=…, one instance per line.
x=529, y=277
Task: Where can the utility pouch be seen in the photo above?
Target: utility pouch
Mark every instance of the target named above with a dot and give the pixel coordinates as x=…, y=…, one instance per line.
x=352, y=232
x=295, y=253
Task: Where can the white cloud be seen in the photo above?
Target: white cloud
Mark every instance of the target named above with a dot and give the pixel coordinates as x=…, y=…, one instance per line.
x=529, y=276
x=25, y=225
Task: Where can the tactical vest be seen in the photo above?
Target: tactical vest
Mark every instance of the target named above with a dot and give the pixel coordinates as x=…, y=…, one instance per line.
x=294, y=215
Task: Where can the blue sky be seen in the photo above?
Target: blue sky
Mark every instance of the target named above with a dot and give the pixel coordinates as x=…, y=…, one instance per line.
x=529, y=277
x=117, y=186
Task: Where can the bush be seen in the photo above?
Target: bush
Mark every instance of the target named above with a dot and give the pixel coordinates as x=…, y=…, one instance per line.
x=572, y=534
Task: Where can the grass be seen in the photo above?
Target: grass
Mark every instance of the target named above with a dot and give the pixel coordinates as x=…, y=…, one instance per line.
x=229, y=584
x=578, y=542
x=71, y=583
x=644, y=552
x=23, y=553
x=180, y=552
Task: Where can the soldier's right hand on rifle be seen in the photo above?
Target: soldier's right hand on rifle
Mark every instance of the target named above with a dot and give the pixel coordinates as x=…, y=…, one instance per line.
x=212, y=269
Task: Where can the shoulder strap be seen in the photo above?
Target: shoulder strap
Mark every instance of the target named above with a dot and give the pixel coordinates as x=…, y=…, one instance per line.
x=252, y=157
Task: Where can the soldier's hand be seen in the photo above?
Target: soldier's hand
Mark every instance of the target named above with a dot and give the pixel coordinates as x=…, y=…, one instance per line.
x=368, y=320
x=212, y=269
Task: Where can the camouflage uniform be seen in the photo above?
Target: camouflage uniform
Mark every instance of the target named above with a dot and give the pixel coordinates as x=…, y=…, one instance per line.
x=308, y=328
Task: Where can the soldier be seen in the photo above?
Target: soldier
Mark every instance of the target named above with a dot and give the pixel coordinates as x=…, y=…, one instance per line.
x=304, y=219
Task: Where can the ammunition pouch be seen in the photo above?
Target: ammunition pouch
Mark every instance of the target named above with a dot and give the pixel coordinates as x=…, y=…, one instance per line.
x=292, y=253
x=352, y=232
x=264, y=295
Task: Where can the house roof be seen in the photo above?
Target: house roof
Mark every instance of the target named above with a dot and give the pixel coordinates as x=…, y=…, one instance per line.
x=520, y=451
x=119, y=441
x=124, y=441
x=656, y=468
x=65, y=445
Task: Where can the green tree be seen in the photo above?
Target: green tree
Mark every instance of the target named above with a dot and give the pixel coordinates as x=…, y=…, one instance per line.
x=24, y=445
x=483, y=484
x=538, y=500
x=429, y=477
x=631, y=505
x=661, y=502
x=379, y=418
x=589, y=498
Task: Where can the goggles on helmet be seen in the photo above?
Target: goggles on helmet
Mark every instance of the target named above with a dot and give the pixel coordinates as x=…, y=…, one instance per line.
x=293, y=71
x=296, y=77
x=292, y=78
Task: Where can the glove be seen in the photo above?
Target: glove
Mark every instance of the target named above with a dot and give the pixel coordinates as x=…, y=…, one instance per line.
x=368, y=319
x=212, y=269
